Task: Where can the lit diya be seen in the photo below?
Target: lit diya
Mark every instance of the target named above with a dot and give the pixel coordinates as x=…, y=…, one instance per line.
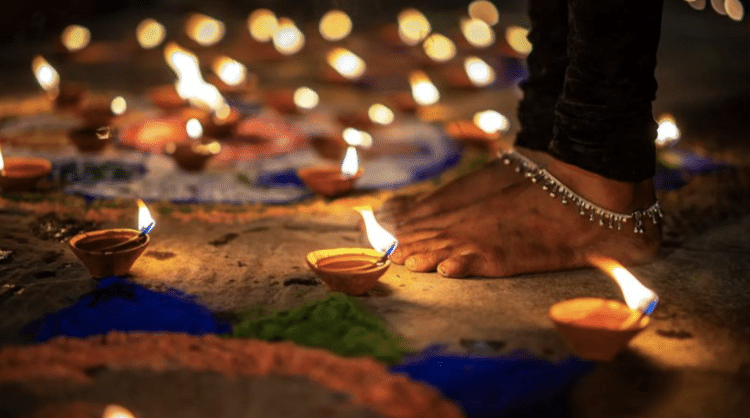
x=22, y=174
x=193, y=155
x=96, y=113
x=347, y=66
x=332, y=181
x=231, y=76
x=63, y=95
x=289, y=102
x=475, y=73
x=598, y=329
x=90, y=139
x=112, y=252
x=484, y=131
x=165, y=97
x=354, y=271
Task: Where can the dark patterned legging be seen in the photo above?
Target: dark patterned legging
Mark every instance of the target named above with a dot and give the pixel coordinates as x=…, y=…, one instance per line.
x=587, y=100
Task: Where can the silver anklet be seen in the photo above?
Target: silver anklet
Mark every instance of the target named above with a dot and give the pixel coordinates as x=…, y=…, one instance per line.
x=555, y=187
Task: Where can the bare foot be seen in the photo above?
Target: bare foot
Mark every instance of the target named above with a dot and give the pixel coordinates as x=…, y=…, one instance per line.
x=486, y=181
x=520, y=229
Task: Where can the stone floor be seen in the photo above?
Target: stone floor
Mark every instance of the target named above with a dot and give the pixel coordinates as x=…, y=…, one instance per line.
x=692, y=361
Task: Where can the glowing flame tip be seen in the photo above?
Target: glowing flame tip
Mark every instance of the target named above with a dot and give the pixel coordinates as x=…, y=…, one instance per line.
x=636, y=295
x=145, y=222
x=380, y=239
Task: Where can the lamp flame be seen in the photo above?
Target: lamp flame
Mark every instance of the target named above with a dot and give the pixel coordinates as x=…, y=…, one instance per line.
x=478, y=33
x=380, y=239
x=491, y=121
x=203, y=29
x=346, y=63
x=288, y=39
x=231, y=72
x=356, y=138
x=145, y=222
x=183, y=62
x=150, y=33
x=380, y=114
x=350, y=163
x=422, y=90
x=637, y=296
x=439, y=48
x=335, y=25
x=517, y=38
x=306, y=98
x=667, y=133
x=484, y=11
x=262, y=24
x=46, y=75
x=2, y=163
x=75, y=37
x=479, y=72
x=116, y=411
x=194, y=128
x=734, y=10
x=413, y=26
x=118, y=106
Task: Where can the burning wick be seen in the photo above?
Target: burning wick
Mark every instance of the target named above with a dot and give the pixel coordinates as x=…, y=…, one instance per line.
x=2, y=164
x=638, y=297
x=380, y=239
x=145, y=225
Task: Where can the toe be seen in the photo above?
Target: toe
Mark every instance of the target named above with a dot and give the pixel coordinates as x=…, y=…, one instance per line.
x=426, y=246
x=425, y=262
x=462, y=265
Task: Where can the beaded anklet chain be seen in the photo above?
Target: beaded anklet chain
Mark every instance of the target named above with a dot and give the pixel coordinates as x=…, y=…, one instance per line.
x=555, y=187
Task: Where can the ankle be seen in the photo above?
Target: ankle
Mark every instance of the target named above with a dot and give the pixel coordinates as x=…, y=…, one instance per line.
x=617, y=196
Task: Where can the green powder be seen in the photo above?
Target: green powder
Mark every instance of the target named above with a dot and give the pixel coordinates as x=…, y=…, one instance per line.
x=336, y=323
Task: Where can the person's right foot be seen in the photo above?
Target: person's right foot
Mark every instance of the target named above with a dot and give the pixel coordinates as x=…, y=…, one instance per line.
x=486, y=181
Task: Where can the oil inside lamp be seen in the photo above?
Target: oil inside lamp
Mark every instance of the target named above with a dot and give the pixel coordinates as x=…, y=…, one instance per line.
x=413, y=26
x=229, y=71
x=516, y=37
x=22, y=174
x=355, y=270
x=288, y=39
x=112, y=252
x=346, y=63
x=484, y=11
x=424, y=92
x=305, y=98
x=479, y=72
x=46, y=76
x=667, y=133
x=380, y=114
x=75, y=37
x=439, y=48
x=477, y=32
x=204, y=30
x=262, y=24
x=357, y=138
x=150, y=33
x=116, y=411
x=335, y=25
x=598, y=329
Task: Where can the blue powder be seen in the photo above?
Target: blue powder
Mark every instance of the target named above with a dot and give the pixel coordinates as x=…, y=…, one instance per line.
x=120, y=305
x=515, y=385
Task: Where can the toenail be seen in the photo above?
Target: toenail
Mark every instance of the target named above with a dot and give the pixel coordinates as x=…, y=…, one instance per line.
x=411, y=262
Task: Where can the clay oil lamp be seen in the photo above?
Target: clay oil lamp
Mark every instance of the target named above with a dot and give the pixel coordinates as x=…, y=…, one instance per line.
x=220, y=122
x=347, y=66
x=288, y=39
x=22, y=174
x=150, y=34
x=335, y=25
x=75, y=38
x=516, y=42
x=598, y=329
x=63, y=95
x=354, y=271
x=89, y=139
x=262, y=24
x=204, y=30
x=291, y=102
x=426, y=97
x=358, y=119
x=186, y=67
x=166, y=98
x=477, y=33
x=474, y=74
x=413, y=26
x=331, y=181
x=97, y=113
x=484, y=131
x=193, y=155
x=116, y=411
x=112, y=252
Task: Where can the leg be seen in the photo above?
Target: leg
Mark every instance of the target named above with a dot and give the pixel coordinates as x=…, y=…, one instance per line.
x=602, y=149
x=546, y=63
